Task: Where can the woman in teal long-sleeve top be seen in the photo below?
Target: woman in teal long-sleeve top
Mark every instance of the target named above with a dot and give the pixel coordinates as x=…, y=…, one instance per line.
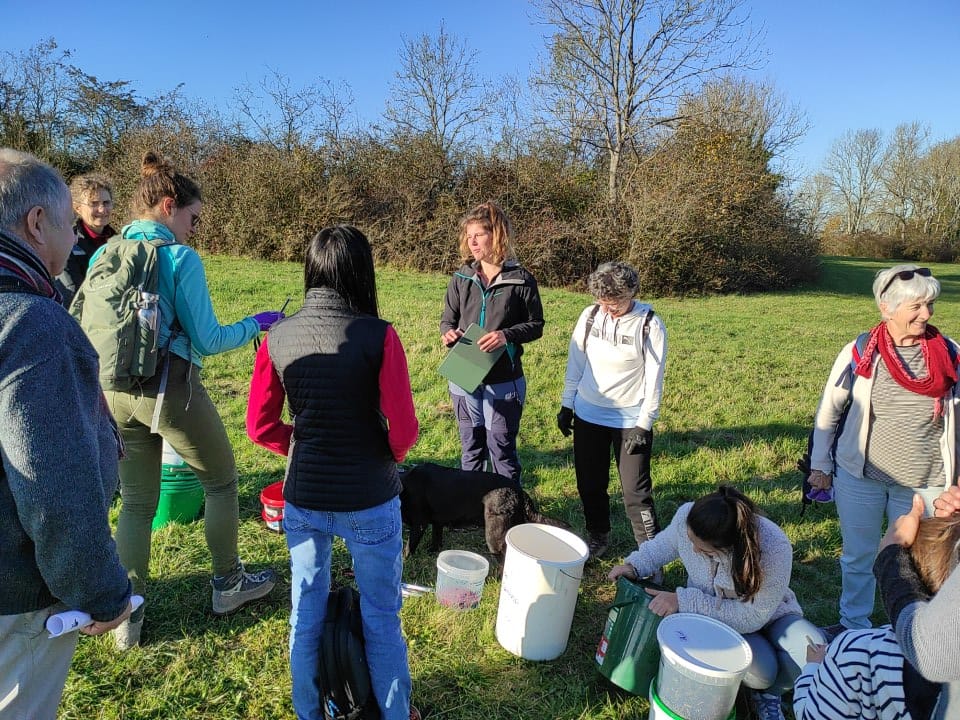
x=167, y=205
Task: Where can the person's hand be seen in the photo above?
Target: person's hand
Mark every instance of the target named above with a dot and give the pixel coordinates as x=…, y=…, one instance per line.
x=815, y=652
x=626, y=570
x=903, y=531
x=819, y=480
x=565, y=421
x=450, y=337
x=948, y=503
x=98, y=628
x=267, y=318
x=663, y=602
x=492, y=340
x=637, y=440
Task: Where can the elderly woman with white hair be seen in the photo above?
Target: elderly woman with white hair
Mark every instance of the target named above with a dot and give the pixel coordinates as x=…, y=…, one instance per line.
x=885, y=428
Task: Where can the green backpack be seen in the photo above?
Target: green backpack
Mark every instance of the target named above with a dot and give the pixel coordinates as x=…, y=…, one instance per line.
x=118, y=307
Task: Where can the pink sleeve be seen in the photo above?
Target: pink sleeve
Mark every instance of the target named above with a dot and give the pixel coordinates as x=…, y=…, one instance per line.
x=396, y=398
x=265, y=405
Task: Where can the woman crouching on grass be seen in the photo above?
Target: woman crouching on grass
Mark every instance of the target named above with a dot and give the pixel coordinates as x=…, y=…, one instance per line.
x=738, y=565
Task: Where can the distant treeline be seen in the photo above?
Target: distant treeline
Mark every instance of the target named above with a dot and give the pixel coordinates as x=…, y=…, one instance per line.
x=694, y=203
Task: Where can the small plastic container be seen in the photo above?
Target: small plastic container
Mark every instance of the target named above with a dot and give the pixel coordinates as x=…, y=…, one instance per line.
x=460, y=578
x=272, y=499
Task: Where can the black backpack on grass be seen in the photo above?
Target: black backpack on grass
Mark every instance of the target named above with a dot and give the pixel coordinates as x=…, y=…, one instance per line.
x=345, y=690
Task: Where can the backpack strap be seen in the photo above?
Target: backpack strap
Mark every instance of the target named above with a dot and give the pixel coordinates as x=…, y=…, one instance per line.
x=589, y=325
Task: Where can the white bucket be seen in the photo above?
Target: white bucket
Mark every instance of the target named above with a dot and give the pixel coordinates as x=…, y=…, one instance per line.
x=460, y=576
x=659, y=711
x=541, y=575
x=701, y=664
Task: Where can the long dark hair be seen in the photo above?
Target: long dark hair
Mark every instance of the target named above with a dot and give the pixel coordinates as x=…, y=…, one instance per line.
x=727, y=519
x=339, y=258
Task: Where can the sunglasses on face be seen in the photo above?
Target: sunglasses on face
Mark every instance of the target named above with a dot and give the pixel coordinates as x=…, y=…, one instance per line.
x=906, y=275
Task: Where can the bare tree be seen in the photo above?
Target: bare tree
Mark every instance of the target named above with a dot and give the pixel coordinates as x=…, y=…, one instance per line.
x=34, y=92
x=617, y=68
x=853, y=166
x=752, y=111
x=813, y=202
x=938, y=206
x=286, y=116
x=437, y=91
x=900, y=175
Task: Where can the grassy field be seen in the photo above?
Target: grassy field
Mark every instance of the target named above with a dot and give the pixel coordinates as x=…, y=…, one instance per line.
x=743, y=379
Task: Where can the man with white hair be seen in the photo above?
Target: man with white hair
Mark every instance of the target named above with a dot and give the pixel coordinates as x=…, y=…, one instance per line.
x=59, y=450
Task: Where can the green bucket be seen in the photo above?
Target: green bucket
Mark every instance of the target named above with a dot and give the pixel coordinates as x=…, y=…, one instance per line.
x=181, y=496
x=628, y=654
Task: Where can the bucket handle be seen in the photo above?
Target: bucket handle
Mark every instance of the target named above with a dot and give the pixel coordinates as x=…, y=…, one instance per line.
x=643, y=583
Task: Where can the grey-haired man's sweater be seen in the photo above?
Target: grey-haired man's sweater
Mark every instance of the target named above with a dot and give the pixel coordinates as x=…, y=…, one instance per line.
x=59, y=466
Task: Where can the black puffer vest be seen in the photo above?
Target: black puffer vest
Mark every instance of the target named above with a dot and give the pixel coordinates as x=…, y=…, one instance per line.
x=329, y=359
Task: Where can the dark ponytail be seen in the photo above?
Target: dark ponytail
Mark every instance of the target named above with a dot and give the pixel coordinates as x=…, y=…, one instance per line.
x=727, y=519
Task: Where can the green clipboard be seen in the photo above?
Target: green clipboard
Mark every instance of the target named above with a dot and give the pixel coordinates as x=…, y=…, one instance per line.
x=466, y=364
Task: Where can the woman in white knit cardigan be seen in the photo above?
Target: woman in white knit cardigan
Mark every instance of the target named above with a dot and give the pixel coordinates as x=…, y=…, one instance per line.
x=738, y=565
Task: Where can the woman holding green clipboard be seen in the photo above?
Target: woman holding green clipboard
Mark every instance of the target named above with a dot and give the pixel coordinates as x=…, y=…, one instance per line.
x=492, y=291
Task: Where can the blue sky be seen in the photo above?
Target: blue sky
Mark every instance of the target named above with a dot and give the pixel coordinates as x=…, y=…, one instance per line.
x=847, y=64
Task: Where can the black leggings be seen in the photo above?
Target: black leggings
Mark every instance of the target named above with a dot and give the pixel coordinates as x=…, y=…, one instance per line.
x=591, y=452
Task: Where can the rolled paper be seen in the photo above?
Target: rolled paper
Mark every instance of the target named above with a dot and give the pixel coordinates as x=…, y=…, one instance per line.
x=71, y=620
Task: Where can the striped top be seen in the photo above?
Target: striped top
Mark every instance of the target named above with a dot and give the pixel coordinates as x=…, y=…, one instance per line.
x=860, y=677
x=903, y=446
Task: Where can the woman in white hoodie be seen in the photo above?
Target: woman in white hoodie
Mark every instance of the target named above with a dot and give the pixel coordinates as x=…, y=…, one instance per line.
x=611, y=398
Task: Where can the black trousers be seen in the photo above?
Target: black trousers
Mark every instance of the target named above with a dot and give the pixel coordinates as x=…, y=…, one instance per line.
x=591, y=457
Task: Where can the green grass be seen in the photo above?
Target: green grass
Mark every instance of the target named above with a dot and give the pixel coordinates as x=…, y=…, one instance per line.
x=743, y=378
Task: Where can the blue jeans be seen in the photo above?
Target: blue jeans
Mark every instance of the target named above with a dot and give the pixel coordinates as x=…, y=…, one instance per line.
x=779, y=653
x=374, y=540
x=861, y=506
x=489, y=420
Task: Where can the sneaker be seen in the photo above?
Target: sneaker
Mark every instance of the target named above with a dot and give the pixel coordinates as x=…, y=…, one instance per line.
x=831, y=631
x=767, y=706
x=231, y=592
x=414, y=713
x=127, y=634
x=597, y=545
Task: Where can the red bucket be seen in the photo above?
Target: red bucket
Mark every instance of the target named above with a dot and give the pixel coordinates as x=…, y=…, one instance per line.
x=272, y=498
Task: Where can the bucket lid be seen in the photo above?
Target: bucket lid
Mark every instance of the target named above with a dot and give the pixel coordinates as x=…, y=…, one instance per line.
x=548, y=545
x=704, y=645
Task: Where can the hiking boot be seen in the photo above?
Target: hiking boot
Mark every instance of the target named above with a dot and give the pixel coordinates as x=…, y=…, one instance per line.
x=233, y=591
x=597, y=545
x=831, y=631
x=767, y=706
x=127, y=634
x=414, y=713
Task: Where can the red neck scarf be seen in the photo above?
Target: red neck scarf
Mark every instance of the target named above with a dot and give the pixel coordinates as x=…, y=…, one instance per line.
x=941, y=371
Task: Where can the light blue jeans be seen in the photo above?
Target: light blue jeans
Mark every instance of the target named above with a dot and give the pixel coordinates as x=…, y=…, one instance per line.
x=373, y=537
x=862, y=505
x=779, y=653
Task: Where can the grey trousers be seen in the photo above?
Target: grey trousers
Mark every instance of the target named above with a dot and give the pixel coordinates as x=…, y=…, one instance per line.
x=33, y=666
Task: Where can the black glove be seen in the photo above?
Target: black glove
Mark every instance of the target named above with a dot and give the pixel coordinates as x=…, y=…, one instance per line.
x=637, y=440
x=565, y=421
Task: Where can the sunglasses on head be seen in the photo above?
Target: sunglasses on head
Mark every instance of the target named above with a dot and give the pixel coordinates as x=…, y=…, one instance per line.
x=906, y=275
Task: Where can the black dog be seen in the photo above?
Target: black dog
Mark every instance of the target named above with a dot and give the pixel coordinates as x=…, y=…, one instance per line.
x=449, y=497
